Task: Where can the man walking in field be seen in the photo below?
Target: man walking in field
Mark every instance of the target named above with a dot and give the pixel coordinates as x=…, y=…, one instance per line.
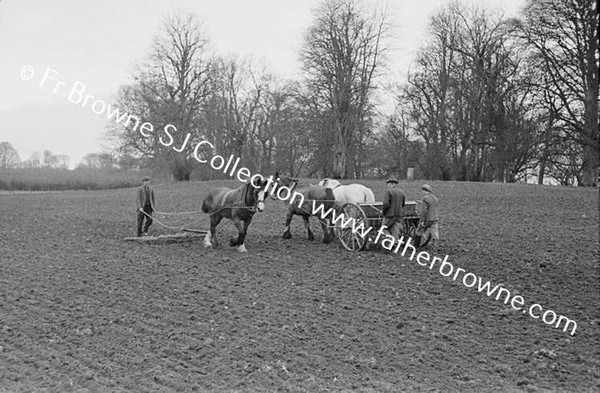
x=429, y=216
x=393, y=205
x=145, y=206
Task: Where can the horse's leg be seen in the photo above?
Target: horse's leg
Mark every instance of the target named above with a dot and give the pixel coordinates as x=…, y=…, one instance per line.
x=242, y=237
x=239, y=240
x=233, y=241
x=309, y=233
x=287, y=234
x=327, y=231
x=210, y=237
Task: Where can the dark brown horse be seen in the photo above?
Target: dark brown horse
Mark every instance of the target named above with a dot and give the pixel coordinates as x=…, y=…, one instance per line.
x=239, y=205
x=313, y=197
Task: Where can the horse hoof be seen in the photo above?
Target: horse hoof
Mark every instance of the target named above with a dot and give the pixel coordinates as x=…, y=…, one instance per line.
x=207, y=245
x=242, y=248
x=287, y=235
x=311, y=238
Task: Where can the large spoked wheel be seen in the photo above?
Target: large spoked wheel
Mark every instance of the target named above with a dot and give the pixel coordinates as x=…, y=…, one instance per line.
x=352, y=241
x=410, y=230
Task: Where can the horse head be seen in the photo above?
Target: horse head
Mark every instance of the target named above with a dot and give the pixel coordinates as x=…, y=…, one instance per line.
x=285, y=181
x=329, y=183
x=254, y=195
x=330, y=197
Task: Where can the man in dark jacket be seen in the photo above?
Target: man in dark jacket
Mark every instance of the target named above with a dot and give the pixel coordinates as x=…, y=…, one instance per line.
x=429, y=216
x=393, y=205
x=145, y=206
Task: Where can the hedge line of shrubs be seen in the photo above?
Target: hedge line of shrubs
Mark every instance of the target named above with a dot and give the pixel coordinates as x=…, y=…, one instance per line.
x=48, y=179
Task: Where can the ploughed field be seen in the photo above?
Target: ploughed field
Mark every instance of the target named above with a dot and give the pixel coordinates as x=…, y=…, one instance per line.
x=83, y=310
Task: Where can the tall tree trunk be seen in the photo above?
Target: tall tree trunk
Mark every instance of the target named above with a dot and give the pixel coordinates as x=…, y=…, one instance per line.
x=546, y=152
x=340, y=155
x=341, y=148
x=542, y=172
x=589, y=168
x=181, y=170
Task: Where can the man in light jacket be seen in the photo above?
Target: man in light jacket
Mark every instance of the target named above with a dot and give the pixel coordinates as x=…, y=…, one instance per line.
x=429, y=216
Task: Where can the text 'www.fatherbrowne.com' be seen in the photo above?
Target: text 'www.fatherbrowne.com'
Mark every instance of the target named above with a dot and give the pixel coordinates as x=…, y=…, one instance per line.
x=446, y=269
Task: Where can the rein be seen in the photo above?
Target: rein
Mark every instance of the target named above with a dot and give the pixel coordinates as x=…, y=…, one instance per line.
x=236, y=205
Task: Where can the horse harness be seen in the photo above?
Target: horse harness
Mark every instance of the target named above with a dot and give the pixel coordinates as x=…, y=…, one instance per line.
x=241, y=203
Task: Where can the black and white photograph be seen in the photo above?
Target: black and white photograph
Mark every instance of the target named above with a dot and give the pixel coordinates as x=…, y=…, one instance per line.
x=299, y=196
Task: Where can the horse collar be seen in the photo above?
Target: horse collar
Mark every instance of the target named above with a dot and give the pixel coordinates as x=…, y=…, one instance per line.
x=242, y=201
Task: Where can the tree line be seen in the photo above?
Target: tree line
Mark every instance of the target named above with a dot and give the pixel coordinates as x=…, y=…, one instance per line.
x=490, y=98
x=10, y=160
x=496, y=99
x=46, y=171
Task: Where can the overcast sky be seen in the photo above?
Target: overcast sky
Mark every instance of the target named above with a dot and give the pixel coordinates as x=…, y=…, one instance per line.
x=98, y=42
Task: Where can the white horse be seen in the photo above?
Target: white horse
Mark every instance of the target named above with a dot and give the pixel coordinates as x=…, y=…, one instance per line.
x=354, y=193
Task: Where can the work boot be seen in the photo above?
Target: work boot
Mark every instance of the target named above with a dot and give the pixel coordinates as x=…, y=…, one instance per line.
x=417, y=241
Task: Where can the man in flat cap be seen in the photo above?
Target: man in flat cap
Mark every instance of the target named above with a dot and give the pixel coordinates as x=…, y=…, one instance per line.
x=429, y=216
x=145, y=206
x=393, y=205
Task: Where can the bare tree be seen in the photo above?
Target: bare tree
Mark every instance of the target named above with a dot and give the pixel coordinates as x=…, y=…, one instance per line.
x=564, y=37
x=34, y=161
x=255, y=116
x=98, y=161
x=428, y=98
x=391, y=149
x=62, y=161
x=169, y=91
x=49, y=159
x=341, y=53
x=244, y=91
x=9, y=157
x=290, y=126
x=470, y=100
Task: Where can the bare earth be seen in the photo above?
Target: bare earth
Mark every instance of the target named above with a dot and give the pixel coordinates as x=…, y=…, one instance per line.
x=83, y=310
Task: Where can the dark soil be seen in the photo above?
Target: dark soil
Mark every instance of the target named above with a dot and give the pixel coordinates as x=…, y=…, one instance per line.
x=83, y=310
